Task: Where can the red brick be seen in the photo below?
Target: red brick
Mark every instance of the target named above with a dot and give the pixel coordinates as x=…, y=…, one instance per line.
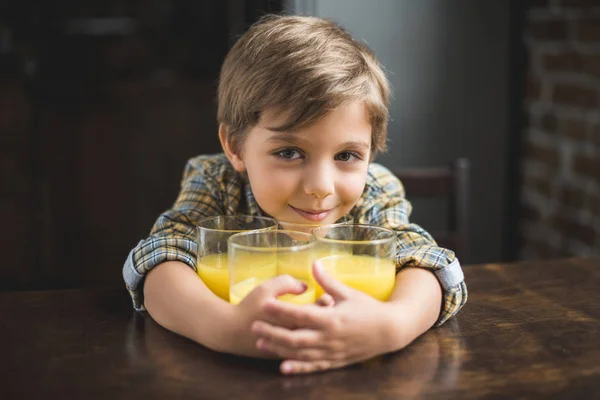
x=590, y=64
x=575, y=95
x=574, y=129
x=529, y=213
x=596, y=136
x=534, y=89
x=572, y=197
x=544, y=154
x=586, y=165
x=573, y=61
x=539, y=185
x=572, y=229
x=588, y=29
x=548, y=29
x=563, y=61
x=549, y=123
x=542, y=250
x=595, y=205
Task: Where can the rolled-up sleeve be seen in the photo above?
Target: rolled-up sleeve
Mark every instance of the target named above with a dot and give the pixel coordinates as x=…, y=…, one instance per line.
x=173, y=236
x=415, y=246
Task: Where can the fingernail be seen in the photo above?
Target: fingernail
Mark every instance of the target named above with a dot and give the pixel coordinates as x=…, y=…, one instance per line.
x=303, y=285
x=286, y=368
x=260, y=344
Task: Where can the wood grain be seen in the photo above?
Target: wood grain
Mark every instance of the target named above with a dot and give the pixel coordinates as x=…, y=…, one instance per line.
x=529, y=330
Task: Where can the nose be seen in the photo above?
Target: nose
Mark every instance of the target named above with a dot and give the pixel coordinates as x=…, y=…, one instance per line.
x=319, y=180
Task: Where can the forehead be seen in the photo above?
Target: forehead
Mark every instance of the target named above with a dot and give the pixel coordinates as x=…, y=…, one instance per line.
x=347, y=118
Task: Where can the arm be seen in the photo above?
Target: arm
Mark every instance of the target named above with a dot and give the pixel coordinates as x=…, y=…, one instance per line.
x=160, y=273
x=386, y=205
x=414, y=306
x=180, y=302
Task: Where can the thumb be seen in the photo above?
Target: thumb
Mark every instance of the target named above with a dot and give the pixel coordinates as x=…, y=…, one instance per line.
x=330, y=285
x=283, y=284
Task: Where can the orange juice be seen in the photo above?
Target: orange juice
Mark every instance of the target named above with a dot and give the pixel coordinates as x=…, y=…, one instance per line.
x=241, y=290
x=214, y=271
x=298, y=265
x=373, y=276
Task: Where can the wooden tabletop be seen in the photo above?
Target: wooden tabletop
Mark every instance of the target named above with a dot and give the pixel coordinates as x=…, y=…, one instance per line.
x=529, y=330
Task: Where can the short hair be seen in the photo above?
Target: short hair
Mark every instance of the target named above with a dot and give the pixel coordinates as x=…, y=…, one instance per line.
x=304, y=67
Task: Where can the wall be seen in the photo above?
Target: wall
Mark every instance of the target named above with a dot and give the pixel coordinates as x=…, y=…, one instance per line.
x=561, y=147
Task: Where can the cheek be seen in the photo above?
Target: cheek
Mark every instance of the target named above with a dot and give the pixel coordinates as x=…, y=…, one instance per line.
x=351, y=187
x=271, y=187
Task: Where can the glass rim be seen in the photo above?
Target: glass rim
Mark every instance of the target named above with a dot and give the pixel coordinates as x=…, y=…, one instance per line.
x=347, y=218
x=248, y=216
x=263, y=249
x=391, y=233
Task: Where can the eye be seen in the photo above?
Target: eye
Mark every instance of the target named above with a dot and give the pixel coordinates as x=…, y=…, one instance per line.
x=348, y=156
x=288, y=154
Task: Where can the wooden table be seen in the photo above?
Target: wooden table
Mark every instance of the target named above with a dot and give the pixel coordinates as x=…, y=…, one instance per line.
x=529, y=330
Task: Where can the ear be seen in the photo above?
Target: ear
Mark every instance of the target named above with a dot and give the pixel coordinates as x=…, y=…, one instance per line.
x=234, y=158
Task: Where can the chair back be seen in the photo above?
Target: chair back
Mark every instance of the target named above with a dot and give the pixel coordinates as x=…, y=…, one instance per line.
x=452, y=183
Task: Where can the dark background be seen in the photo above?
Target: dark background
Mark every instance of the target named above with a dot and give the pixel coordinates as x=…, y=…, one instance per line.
x=101, y=104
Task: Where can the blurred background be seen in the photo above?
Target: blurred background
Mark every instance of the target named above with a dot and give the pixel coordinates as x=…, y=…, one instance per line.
x=102, y=102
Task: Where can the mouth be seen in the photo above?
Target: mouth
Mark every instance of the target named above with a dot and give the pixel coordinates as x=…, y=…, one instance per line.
x=313, y=215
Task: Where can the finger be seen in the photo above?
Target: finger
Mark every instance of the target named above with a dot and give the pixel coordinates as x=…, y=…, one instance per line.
x=325, y=301
x=306, y=367
x=301, y=316
x=330, y=285
x=287, y=353
x=281, y=285
x=290, y=338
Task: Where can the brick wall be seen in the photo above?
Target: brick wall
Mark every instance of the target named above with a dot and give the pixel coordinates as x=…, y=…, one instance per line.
x=561, y=143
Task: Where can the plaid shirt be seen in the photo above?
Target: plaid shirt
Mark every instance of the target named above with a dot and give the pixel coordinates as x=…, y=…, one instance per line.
x=211, y=186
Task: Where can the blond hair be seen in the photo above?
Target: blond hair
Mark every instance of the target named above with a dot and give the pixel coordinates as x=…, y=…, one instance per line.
x=301, y=66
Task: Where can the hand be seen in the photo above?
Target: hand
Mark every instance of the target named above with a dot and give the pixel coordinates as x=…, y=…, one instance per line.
x=250, y=309
x=356, y=328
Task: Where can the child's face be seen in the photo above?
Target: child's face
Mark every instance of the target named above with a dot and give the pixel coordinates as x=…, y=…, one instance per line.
x=312, y=176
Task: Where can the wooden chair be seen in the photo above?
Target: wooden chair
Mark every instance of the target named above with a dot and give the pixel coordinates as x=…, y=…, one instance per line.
x=452, y=183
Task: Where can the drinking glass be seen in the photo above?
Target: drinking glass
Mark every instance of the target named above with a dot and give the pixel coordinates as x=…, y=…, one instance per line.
x=255, y=257
x=308, y=228
x=361, y=256
x=212, y=264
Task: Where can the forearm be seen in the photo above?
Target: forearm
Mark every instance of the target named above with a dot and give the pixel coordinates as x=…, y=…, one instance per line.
x=415, y=305
x=180, y=302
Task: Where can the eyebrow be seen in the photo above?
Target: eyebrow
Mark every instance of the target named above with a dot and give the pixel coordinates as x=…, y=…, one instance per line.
x=363, y=145
x=290, y=138
x=287, y=138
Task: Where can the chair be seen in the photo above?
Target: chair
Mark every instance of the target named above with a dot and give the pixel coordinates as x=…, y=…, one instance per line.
x=450, y=182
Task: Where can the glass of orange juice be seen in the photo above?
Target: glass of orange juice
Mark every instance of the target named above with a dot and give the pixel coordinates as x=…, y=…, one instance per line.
x=360, y=256
x=212, y=234
x=255, y=257
x=298, y=270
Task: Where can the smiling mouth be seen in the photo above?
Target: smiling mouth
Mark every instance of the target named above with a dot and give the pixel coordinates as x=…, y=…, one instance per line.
x=313, y=215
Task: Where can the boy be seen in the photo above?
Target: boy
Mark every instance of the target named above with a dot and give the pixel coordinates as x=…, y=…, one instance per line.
x=302, y=112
